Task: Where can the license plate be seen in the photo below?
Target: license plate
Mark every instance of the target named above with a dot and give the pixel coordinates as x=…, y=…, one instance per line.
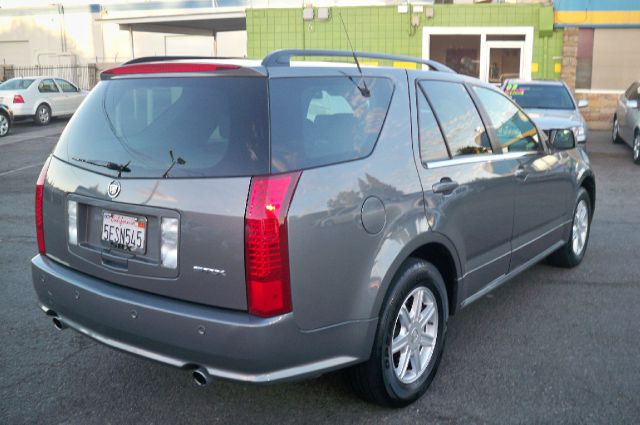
x=124, y=232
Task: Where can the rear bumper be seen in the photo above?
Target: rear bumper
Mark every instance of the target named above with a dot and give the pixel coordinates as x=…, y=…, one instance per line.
x=22, y=110
x=228, y=344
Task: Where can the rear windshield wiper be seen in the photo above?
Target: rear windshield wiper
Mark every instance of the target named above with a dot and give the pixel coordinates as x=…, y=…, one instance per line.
x=174, y=161
x=120, y=168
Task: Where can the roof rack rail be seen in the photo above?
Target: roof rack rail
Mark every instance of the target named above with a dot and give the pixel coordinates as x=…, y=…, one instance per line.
x=283, y=57
x=173, y=58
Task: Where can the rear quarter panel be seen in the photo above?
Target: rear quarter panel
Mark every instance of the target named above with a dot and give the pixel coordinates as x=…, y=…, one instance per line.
x=339, y=272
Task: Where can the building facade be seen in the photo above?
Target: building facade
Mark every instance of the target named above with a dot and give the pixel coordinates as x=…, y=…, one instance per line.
x=591, y=44
x=488, y=41
x=601, y=57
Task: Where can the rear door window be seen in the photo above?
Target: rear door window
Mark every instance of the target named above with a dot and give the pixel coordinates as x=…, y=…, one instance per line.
x=515, y=131
x=325, y=120
x=462, y=126
x=47, y=86
x=204, y=126
x=432, y=144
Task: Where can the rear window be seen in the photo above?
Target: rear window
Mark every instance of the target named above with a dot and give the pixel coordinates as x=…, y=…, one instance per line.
x=325, y=120
x=540, y=96
x=171, y=127
x=16, y=84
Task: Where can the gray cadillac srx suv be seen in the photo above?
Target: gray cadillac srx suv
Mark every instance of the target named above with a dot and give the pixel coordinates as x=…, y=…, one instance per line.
x=264, y=221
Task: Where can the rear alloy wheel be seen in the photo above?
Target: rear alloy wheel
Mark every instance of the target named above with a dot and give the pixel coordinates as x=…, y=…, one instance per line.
x=415, y=333
x=4, y=125
x=43, y=115
x=571, y=253
x=636, y=148
x=615, y=136
x=409, y=340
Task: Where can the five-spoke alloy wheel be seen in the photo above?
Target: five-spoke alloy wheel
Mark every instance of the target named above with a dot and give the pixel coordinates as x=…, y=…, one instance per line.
x=571, y=253
x=43, y=115
x=615, y=134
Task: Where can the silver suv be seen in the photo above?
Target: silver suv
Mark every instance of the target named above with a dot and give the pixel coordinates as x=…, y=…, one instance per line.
x=269, y=221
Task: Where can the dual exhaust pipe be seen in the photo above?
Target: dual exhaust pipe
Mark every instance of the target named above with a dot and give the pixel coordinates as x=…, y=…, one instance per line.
x=200, y=375
x=57, y=322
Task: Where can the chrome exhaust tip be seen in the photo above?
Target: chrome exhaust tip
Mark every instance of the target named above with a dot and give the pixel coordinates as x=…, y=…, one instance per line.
x=201, y=377
x=58, y=324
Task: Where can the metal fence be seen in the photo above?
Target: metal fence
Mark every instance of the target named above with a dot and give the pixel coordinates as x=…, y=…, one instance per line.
x=83, y=76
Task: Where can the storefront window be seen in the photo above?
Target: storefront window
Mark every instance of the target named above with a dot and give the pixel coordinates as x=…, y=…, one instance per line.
x=585, y=58
x=459, y=52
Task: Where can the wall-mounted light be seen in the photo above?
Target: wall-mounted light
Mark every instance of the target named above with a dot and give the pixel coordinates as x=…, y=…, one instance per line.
x=323, y=13
x=403, y=8
x=307, y=14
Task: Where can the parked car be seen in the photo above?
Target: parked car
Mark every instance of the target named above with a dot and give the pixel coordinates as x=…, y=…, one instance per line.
x=264, y=222
x=626, y=120
x=41, y=98
x=550, y=105
x=6, y=119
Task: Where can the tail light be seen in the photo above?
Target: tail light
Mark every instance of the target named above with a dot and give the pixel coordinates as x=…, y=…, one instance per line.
x=39, y=211
x=18, y=99
x=266, y=244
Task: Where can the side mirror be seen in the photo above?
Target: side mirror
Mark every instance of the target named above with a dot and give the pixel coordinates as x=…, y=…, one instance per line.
x=583, y=103
x=563, y=139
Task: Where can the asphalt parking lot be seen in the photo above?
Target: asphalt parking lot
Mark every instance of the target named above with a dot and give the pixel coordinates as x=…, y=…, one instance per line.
x=553, y=346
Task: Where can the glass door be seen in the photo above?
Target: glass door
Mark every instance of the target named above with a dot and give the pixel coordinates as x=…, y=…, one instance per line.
x=504, y=61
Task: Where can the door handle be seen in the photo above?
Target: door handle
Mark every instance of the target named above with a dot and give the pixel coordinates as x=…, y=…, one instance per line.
x=445, y=186
x=521, y=174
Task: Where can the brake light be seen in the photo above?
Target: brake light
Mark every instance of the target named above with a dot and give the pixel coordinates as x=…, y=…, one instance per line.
x=18, y=99
x=266, y=244
x=39, y=210
x=165, y=67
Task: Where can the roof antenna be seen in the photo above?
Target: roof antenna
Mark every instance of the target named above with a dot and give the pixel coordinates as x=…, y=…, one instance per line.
x=364, y=91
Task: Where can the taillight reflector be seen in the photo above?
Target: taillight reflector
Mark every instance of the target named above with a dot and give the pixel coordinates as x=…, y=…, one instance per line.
x=39, y=210
x=266, y=244
x=158, y=68
x=18, y=99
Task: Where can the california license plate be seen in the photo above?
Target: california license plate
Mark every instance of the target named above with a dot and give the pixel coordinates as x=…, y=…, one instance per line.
x=124, y=232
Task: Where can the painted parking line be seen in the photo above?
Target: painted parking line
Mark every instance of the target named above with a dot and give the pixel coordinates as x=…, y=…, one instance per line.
x=26, y=167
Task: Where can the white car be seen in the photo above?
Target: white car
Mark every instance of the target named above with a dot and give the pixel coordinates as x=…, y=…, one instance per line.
x=41, y=98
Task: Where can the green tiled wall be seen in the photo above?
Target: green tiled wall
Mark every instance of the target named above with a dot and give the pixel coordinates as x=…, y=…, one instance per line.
x=383, y=29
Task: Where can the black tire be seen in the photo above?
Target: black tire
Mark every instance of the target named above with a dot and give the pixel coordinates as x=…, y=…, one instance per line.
x=43, y=115
x=636, y=147
x=615, y=131
x=375, y=380
x=5, y=124
x=566, y=256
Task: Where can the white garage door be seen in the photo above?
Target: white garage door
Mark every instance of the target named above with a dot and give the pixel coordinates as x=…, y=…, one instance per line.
x=15, y=53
